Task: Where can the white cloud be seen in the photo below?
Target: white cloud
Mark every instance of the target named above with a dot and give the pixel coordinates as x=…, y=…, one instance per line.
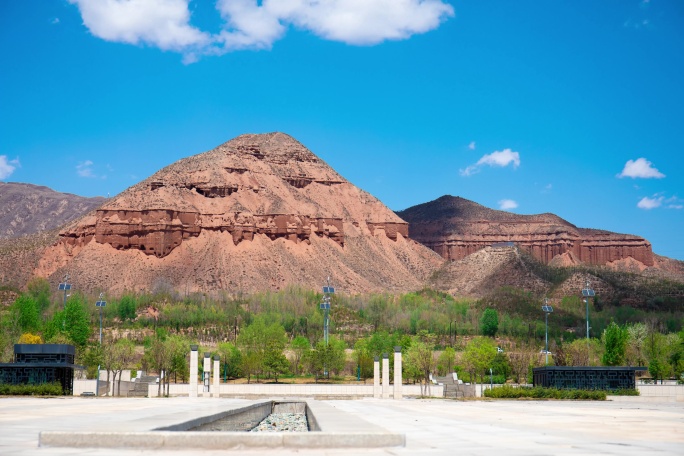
x=650, y=203
x=675, y=206
x=85, y=169
x=160, y=23
x=507, y=204
x=252, y=24
x=471, y=146
x=640, y=168
x=7, y=167
x=55, y=21
x=498, y=158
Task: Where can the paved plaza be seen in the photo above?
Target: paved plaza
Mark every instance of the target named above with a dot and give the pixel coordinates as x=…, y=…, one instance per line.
x=432, y=427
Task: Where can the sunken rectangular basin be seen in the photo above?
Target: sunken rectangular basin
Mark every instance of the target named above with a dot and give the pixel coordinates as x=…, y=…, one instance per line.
x=328, y=428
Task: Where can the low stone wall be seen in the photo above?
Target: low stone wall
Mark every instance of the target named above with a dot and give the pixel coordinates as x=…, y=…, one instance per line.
x=673, y=393
x=285, y=389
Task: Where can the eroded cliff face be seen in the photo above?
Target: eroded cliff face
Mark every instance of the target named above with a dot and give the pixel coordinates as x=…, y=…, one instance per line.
x=255, y=187
x=455, y=228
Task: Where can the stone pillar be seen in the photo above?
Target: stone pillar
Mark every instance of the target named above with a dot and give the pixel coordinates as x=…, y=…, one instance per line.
x=397, y=373
x=376, y=378
x=217, y=372
x=207, y=374
x=385, y=376
x=193, y=371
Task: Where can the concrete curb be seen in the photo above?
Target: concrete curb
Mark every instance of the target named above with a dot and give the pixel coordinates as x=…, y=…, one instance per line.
x=218, y=440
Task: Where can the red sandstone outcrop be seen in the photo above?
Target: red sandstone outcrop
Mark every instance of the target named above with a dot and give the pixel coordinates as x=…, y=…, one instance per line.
x=258, y=212
x=455, y=227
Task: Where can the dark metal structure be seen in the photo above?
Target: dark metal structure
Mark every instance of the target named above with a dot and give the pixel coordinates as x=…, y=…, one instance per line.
x=35, y=364
x=593, y=378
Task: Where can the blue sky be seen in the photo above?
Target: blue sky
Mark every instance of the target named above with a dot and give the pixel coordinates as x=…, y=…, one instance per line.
x=570, y=107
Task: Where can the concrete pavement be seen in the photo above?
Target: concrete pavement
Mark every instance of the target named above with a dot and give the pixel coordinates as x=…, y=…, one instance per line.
x=432, y=426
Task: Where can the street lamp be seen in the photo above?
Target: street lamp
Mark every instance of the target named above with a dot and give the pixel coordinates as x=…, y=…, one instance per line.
x=66, y=286
x=587, y=292
x=547, y=310
x=100, y=303
x=325, y=305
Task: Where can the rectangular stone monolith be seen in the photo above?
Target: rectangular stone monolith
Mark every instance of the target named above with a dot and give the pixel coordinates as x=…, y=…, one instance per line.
x=385, y=376
x=193, y=371
x=397, y=373
x=376, y=378
x=207, y=374
x=216, y=387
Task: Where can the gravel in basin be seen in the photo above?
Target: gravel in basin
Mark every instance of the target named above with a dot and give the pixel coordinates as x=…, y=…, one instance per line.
x=283, y=422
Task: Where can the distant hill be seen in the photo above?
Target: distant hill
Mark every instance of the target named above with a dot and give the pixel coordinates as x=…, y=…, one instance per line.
x=455, y=227
x=30, y=209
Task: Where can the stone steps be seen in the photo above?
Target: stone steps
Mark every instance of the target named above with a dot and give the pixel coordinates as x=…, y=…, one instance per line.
x=141, y=386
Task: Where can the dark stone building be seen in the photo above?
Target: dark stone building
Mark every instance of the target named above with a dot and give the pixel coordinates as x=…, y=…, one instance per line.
x=592, y=378
x=36, y=364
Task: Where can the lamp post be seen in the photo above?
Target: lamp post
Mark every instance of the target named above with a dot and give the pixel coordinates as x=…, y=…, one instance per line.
x=547, y=310
x=100, y=303
x=587, y=292
x=328, y=291
x=65, y=286
x=452, y=341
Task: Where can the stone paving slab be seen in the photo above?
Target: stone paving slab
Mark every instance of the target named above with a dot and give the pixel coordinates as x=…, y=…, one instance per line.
x=432, y=427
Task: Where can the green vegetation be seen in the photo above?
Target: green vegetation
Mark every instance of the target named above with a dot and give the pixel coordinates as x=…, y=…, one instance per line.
x=489, y=323
x=509, y=392
x=45, y=389
x=275, y=336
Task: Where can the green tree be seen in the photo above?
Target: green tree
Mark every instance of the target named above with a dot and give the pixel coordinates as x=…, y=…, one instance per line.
x=77, y=321
x=255, y=341
x=177, y=360
x=479, y=356
x=364, y=359
x=126, y=308
x=322, y=358
x=124, y=353
x=55, y=328
x=232, y=359
x=159, y=357
x=275, y=362
x=615, y=338
x=656, y=347
x=92, y=358
x=420, y=358
x=489, y=323
x=27, y=313
x=636, y=342
x=581, y=352
x=39, y=289
x=299, y=346
x=445, y=361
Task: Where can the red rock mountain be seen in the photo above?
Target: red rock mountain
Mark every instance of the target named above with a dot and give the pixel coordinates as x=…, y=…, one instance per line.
x=455, y=228
x=258, y=212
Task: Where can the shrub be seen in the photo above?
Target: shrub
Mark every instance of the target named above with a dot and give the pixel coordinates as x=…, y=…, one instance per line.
x=624, y=392
x=44, y=389
x=509, y=392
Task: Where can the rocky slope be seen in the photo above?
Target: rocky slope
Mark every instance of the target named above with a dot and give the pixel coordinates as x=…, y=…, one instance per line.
x=455, y=228
x=28, y=209
x=258, y=212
